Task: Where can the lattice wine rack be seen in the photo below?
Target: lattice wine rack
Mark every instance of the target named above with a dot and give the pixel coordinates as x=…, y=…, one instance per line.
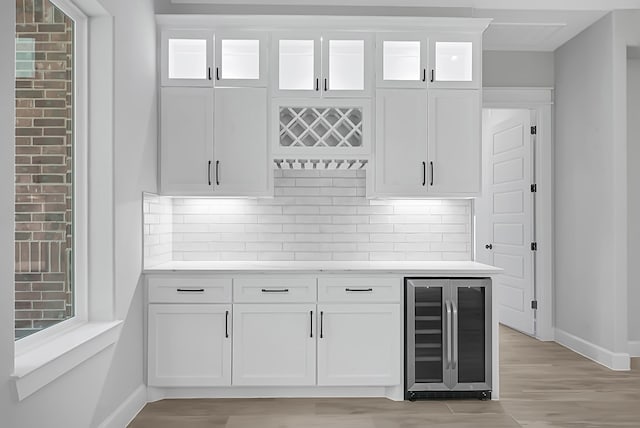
x=337, y=127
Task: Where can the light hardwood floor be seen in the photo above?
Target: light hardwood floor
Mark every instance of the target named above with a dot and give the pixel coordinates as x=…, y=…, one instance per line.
x=543, y=386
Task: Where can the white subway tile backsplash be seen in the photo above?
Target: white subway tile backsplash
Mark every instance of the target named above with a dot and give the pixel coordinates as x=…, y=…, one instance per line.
x=315, y=215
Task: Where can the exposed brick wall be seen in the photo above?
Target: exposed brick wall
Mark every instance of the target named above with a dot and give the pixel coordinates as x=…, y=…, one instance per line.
x=44, y=94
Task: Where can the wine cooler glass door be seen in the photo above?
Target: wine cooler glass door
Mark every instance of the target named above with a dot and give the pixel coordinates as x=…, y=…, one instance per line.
x=426, y=336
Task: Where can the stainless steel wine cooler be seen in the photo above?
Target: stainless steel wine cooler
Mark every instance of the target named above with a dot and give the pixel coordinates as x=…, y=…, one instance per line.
x=448, y=338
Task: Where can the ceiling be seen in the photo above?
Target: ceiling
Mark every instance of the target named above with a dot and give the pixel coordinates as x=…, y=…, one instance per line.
x=540, y=25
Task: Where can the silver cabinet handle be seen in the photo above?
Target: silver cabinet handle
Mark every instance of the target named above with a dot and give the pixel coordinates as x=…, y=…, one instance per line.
x=454, y=332
x=275, y=290
x=321, y=324
x=424, y=173
x=217, y=173
x=311, y=323
x=190, y=290
x=433, y=75
x=448, y=327
x=209, y=173
x=359, y=289
x=217, y=73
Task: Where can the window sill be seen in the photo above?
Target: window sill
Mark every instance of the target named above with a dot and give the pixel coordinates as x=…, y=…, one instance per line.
x=42, y=364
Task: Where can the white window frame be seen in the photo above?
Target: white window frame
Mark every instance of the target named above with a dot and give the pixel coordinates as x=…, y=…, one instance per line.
x=43, y=356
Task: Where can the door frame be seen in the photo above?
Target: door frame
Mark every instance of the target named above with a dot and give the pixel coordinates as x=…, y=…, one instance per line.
x=539, y=100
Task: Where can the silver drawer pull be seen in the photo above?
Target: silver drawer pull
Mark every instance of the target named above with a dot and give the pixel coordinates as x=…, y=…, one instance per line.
x=359, y=289
x=275, y=290
x=190, y=290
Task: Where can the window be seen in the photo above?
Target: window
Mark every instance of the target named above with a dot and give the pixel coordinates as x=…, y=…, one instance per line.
x=45, y=152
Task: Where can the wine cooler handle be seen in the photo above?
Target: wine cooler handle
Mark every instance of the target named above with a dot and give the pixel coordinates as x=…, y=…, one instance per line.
x=454, y=333
x=448, y=327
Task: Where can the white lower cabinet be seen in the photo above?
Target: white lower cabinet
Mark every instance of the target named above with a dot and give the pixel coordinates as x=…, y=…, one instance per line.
x=189, y=345
x=359, y=344
x=274, y=344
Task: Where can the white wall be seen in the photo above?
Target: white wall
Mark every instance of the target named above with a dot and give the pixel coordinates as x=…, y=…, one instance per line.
x=633, y=160
x=85, y=396
x=590, y=199
x=135, y=116
x=7, y=96
x=517, y=69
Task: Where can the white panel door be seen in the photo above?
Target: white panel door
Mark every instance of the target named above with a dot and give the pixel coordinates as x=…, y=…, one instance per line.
x=274, y=344
x=454, y=142
x=505, y=214
x=359, y=344
x=241, y=166
x=401, y=142
x=186, y=140
x=189, y=345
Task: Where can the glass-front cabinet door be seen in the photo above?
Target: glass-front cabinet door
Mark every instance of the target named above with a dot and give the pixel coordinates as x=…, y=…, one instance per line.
x=296, y=64
x=241, y=59
x=401, y=60
x=346, y=68
x=454, y=61
x=426, y=335
x=471, y=334
x=187, y=58
x=315, y=65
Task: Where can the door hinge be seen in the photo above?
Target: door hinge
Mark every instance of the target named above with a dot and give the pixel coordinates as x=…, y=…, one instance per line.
x=534, y=304
x=534, y=188
x=534, y=246
x=534, y=130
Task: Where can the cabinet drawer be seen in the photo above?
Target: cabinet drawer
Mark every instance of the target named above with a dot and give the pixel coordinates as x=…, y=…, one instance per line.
x=186, y=289
x=361, y=289
x=269, y=290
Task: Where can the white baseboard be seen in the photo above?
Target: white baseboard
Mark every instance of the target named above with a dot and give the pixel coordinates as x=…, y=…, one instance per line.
x=634, y=348
x=128, y=410
x=612, y=360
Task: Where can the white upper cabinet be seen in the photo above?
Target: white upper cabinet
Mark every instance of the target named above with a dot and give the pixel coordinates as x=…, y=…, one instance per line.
x=454, y=61
x=454, y=142
x=401, y=142
x=187, y=58
x=346, y=65
x=296, y=65
x=213, y=142
x=401, y=60
x=427, y=143
x=314, y=65
x=186, y=140
x=241, y=59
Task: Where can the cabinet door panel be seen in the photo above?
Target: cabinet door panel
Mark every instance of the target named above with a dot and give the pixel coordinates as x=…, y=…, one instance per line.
x=455, y=61
x=241, y=165
x=273, y=344
x=296, y=64
x=189, y=345
x=401, y=142
x=401, y=60
x=241, y=59
x=186, y=58
x=454, y=142
x=186, y=140
x=347, y=64
x=359, y=344
x=472, y=333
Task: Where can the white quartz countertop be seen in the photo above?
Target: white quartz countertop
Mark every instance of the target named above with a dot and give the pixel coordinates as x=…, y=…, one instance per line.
x=430, y=268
